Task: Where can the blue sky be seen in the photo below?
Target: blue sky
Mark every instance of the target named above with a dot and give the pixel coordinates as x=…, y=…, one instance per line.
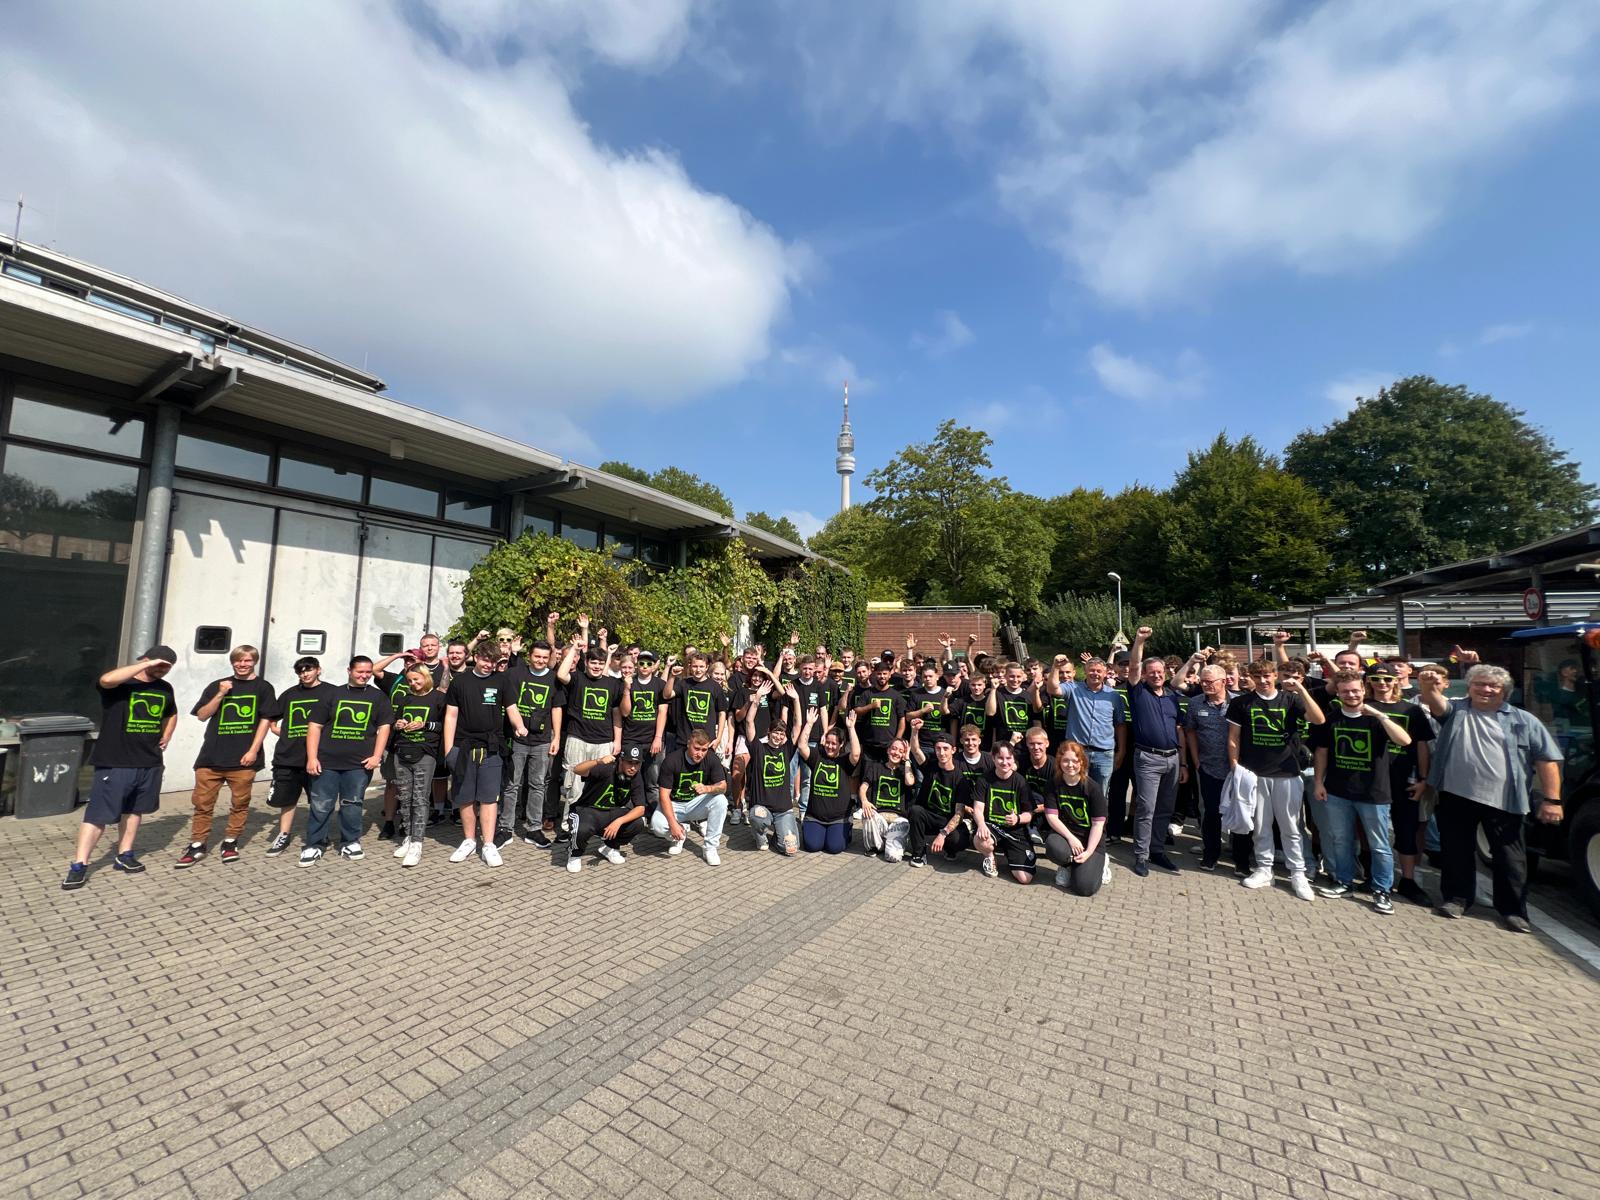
x=667, y=230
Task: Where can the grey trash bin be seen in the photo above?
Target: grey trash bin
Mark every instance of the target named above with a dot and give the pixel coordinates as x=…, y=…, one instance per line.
x=49, y=755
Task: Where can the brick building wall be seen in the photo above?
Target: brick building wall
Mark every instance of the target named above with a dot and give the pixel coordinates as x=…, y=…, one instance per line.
x=887, y=629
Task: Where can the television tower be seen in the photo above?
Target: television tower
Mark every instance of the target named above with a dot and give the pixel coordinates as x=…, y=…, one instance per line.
x=845, y=464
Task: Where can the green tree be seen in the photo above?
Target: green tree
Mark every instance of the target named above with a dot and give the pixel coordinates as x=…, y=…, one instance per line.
x=779, y=526
x=864, y=542
x=1245, y=534
x=962, y=535
x=675, y=481
x=1425, y=473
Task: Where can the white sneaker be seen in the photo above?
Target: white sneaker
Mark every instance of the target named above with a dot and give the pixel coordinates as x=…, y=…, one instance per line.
x=713, y=859
x=403, y=849
x=988, y=868
x=413, y=854
x=491, y=855
x=1062, y=876
x=574, y=863
x=611, y=854
x=353, y=852
x=736, y=817
x=1175, y=829
x=1259, y=878
x=675, y=846
x=1301, y=886
x=464, y=851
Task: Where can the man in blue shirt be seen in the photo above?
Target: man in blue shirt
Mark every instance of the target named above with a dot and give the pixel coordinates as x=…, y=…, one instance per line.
x=1096, y=718
x=1158, y=767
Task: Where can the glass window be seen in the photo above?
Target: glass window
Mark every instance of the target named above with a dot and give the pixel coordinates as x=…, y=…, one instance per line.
x=404, y=497
x=580, y=532
x=653, y=552
x=470, y=509
x=225, y=454
x=212, y=639
x=66, y=532
x=391, y=643
x=320, y=477
x=537, y=523
x=122, y=306
x=77, y=421
x=621, y=545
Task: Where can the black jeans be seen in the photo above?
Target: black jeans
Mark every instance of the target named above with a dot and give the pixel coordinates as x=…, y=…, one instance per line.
x=1459, y=819
x=1117, y=798
x=925, y=826
x=1083, y=879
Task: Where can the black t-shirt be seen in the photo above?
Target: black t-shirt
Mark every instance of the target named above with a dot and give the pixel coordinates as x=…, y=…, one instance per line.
x=1056, y=710
x=817, y=695
x=1078, y=805
x=971, y=772
x=592, y=702
x=1013, y=710
x=932, y=722
x=233, y=726
x=132, y=716
x=696, y=704
x=998, y=797
x=1403, y=759
x=292, y=711
x=830, y=788
x=678, y=775
x=1041, y=780
x=350, y=718
x=1269, y=733
x=413, y=744
x=639, y=726
x=606, y=789
x=1358, y=767
x=971, y=710
x=877, y=727
x=770, y=776
x=743, y=696
x=536, y=694
x=941, y=791
x=480, y=703
x=886, y=788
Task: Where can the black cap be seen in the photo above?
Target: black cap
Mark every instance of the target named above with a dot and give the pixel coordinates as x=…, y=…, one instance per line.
x=631, y=754
x=952, y=668
x=647, y=656
x=1380, y=671
x=943, y=737
x=160, y=653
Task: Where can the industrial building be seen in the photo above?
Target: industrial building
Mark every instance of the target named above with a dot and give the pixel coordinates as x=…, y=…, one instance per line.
x=171, y=476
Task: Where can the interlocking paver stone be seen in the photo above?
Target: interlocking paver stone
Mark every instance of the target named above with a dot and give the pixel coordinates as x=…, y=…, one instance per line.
x=822, y=1027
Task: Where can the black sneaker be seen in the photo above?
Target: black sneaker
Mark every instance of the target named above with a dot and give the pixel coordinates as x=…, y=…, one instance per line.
x=77, y=876
x=1381, y=902
x=388, y=831
x=1141, y=869
x=1411, y=890
x=538, y=838
x=229, y=851
x=1208, y=864
x=280, y=843
x=503, y=837
x=1165, y=863
x=916, y=860
x=127, y=863
x=193, y=854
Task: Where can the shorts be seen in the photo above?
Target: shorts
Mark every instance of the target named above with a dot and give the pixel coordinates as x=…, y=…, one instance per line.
x=1012, y=842
x=119, y=792
x=475, y=776
x=739, y=747
x=288, y=785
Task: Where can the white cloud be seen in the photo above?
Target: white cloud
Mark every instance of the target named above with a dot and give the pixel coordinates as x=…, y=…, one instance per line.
x=1157, y=144
x=1506, y=332
x=805, y=521
x=1134, y=380
x=826, y=365
x=337, y=178
x=1343, y=392
x=949, y=334
x=639, y=33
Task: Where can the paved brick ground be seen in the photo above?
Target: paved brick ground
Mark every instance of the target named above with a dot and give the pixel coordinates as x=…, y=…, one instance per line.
x=822, y=1027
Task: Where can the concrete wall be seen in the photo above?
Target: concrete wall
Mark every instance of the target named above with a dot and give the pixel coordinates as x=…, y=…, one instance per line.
x=887, y=630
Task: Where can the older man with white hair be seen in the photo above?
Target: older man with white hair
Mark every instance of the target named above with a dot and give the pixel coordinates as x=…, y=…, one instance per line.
x=1490, y=760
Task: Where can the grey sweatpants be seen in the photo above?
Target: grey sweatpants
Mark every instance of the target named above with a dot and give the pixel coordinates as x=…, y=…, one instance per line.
x=1279, y=800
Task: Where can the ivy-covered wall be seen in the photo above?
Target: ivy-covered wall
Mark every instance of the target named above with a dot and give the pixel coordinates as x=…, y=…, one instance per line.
x=517, y=583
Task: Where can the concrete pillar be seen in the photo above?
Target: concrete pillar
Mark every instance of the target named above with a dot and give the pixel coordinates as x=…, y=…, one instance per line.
x=144, y=624
x=1250, y=643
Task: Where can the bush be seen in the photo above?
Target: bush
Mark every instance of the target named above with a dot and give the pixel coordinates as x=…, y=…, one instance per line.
x=1072, y=623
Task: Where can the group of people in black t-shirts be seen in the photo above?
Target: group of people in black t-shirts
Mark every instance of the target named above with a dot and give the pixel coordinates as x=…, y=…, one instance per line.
x=585, y=743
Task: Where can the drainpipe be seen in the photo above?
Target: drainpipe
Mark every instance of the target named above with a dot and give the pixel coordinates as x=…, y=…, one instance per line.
x=142, y=626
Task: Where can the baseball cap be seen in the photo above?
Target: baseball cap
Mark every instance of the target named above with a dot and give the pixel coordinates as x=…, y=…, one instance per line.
x=887, y=656
x=631, y=754
x=1379, y=670
x=160, y=653
x=952, y=668
x=945, y=738
x=647, y=656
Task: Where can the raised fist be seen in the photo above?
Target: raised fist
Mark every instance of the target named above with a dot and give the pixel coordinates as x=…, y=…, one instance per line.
x=1144, y=632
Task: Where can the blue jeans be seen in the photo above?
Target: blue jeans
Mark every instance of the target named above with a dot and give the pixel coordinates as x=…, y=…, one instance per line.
x=805, y=782
x=785, y=825
x=1339, y=837
x=711, y=808
x=348, y=789
x=1099, y=766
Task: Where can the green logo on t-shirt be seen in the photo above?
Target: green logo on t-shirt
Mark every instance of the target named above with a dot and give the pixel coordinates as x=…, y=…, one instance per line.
x=1002, y=802
x=888, y=793
x=940, y=797
x=1352, y=748
x=697, y=705
x=145, y=710
x=825, y=780
x=595, y=703
x=882, y=710
x=350, y=720
x=773, y=770
x=1075, y=807
x=644, y=707
x=1402, y=719
x=685, y=786
x=606, y=798
x=415, y=712
x=1266, y=725
x=1016, y=714
x=297, y=718
x=237, y=714
x=534, y=696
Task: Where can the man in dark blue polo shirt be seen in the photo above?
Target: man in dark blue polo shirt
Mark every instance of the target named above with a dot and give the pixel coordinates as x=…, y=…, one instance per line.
x=1158, y=766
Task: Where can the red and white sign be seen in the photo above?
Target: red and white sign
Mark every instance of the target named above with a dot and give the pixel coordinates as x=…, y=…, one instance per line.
x=1533, y=603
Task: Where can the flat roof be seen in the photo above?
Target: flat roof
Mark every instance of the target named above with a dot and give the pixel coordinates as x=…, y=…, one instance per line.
x=71, y=315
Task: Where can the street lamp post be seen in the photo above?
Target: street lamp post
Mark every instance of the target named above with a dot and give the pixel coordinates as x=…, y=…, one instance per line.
x=1121, y=636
